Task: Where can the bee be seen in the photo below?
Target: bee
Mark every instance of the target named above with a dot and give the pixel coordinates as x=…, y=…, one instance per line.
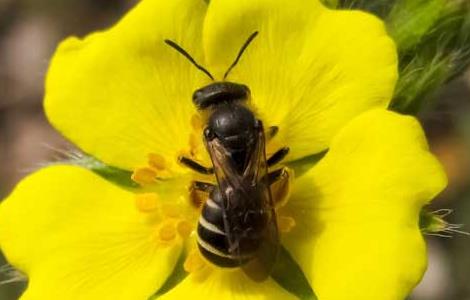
x=237, y=226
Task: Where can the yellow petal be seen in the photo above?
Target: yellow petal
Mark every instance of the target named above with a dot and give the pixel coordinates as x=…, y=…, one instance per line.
x=310, y=70
x=123, y=93
x=357, y=210
x=77, y=236
x=226, y=285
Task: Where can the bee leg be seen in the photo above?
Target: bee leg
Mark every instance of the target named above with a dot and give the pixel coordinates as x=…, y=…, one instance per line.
x=195, y=166
x=277, y=175
x=280, y=184
x=278, y=156
x=203, y=186
x=198, y=192
x=271, y=133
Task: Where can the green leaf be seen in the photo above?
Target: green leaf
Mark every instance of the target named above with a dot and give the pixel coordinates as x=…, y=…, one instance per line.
x=175, y=277
x=288, y=274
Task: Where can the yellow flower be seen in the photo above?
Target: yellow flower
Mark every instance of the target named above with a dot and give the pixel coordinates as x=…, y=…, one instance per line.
x=324, y=77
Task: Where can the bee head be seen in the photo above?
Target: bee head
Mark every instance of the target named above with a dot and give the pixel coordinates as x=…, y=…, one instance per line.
x=220, y=93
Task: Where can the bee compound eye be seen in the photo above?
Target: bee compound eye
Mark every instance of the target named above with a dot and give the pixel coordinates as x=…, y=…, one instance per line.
x=197, y=96
x=247, y=89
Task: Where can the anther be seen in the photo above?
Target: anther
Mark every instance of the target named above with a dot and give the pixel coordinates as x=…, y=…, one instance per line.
x=167, y=232
x=184, y=228
x=156, y=161
x=147, y=202
x=285, y=223
x=144, y=176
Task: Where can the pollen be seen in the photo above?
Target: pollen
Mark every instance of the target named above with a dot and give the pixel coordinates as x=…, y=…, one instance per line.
x=167, y=232
x=144, y=176
x=285, y=223
x=184, y=228
x=197, y=197
x=147, y=202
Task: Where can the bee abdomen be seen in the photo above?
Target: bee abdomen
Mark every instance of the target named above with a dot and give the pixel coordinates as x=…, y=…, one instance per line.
x=212, y=240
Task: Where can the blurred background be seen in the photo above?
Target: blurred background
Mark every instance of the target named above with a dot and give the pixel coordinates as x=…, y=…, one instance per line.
x=29, y=33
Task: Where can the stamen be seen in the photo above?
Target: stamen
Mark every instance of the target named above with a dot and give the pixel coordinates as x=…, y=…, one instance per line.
x=285, y=223
x=144, y=176
x=167, y=232
x=157, y=161
x=194, y=262
x=147, y=202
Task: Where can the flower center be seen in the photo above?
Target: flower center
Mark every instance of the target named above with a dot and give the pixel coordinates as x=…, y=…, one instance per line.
x=156, y=169
x=159, y=168
x=170, y=222
x=206, y=209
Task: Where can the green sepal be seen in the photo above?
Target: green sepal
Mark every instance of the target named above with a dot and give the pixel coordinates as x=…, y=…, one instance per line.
x=116, y=175
x=330, y=3
x=302, y=165
x=113, y=174
x=288, y=274
x=380, y=8
x=175, y=277
x=435, y=223
x=409, y=21
x=433, y=41
x=434, y=51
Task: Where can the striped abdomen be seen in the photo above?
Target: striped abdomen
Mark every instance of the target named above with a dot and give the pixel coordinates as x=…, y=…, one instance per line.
x=223, y=249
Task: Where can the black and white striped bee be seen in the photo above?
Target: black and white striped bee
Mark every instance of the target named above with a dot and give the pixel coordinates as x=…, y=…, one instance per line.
x=237, y=226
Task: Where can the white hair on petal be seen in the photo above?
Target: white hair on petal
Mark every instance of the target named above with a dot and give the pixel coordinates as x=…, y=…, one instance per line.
x=12, y=275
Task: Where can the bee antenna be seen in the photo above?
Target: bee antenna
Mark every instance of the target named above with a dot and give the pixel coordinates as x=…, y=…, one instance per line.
x=240, y=53
x=186, y=54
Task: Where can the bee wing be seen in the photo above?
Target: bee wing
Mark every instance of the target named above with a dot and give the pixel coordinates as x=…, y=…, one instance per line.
x=224, y=168
x=257, y=169
x=232, y=189
x=238, y=192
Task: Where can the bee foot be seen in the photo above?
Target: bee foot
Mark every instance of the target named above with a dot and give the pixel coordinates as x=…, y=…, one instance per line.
x=285, y=223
